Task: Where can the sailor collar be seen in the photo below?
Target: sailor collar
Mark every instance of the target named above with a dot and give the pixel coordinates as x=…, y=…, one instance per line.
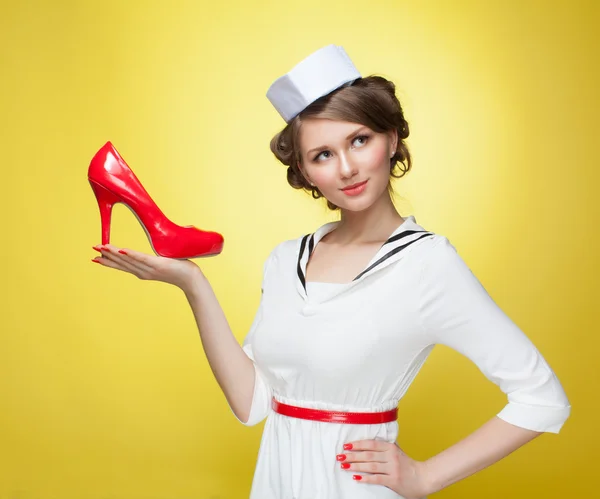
x=407, y=233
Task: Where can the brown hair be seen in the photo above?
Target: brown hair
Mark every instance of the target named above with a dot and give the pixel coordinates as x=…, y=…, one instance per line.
x=370, y=101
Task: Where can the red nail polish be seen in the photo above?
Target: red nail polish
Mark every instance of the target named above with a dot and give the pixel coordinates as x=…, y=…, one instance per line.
x=340, y=457
x=95, y=261
x=347, y=446
x=122, y=252
x=96, y=248
x=345, y=466
x=357, y=477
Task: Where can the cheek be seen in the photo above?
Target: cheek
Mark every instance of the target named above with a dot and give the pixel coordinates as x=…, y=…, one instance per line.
x=324, y=177
x=377, y=159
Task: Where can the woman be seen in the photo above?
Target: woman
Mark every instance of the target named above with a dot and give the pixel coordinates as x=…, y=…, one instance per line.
x=349, y=313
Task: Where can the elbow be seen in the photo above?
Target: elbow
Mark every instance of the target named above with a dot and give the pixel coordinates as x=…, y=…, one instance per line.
x=243, y=417
x=540, y=418
x=250, y=416
x=249, y=419
x=254, y=413
x=259, y=405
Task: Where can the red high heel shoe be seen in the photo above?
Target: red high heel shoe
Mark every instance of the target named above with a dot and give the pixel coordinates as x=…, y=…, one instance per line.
x=114, y=182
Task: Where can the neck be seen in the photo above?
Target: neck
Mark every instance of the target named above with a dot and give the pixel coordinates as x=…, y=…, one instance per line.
x=372, y=225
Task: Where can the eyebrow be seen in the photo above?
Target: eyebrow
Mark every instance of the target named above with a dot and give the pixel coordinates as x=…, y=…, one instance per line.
x=314, y=149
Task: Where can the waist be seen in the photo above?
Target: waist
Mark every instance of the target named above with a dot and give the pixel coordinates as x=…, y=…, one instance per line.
x=334, y=416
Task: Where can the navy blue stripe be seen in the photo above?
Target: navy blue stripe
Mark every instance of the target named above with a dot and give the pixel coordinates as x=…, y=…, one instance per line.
x=299, y=269
x=393, y=252
x=401, y=235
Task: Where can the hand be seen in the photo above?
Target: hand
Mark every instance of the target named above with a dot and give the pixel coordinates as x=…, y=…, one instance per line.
x=180, y=273
x=386, y=464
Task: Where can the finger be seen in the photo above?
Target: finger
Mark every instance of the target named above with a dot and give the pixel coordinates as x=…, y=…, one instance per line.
x=106, y=262
x=376, y=468
x=373, y=445
x=364, y=457
x=378, y=479
x=143, y=260
x=110, y=258
x=120, y=263
x=113, y=253
x=137, y=257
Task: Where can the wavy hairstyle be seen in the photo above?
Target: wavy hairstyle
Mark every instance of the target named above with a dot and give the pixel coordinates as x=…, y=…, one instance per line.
x=369, y=101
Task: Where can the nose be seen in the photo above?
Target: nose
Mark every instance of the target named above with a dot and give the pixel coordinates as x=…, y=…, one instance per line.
x=347, y=167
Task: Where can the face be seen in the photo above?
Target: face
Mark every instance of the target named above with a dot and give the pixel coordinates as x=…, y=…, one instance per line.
x=340, y=154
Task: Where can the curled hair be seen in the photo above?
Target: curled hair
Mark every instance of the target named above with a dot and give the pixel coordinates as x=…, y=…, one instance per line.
x=369, y=101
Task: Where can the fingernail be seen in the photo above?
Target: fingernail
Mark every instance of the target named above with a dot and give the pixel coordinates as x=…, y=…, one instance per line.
x=357, y=477
x=341, y=457
x=345, y=466
x=122, y=252
x=347, y=446
x=96, y=248
x=95, y=261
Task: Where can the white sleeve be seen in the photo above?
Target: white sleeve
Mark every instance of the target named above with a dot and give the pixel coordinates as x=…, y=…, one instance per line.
x=457, y=311
x=261, y=398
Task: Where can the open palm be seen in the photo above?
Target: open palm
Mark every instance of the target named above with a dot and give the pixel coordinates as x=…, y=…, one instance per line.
x=178, y=272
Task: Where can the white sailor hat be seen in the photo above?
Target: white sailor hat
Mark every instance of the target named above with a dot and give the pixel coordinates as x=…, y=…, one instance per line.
x=315, y=76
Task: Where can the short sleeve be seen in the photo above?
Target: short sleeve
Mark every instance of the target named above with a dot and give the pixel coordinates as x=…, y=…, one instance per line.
x=456, y=311
x=261, y=398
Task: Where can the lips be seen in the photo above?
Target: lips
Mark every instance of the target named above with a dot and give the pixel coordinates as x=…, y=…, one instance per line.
x=354, y=186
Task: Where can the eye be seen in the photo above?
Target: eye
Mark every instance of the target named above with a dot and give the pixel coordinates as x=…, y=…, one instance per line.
x=364, y=139
x=316, y=158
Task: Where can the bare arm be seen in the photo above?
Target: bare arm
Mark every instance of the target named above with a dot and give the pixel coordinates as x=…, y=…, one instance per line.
x=232, y=368
x=488, y=444
x=457, y=311
x=386, y=464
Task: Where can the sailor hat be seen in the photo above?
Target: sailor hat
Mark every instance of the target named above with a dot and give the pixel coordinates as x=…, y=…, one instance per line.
x=315, y=76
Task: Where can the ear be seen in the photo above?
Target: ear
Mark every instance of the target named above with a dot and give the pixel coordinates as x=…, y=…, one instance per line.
x=393, y=135
x=304, y=174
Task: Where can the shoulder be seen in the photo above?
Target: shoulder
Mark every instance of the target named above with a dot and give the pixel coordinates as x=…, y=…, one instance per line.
x=437, y=254
x=437, y=247
x=442, y=267
x=426, y=248
x=291, y=248
x=286, y=251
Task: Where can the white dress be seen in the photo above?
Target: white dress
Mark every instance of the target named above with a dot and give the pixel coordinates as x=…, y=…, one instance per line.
x=358, y=347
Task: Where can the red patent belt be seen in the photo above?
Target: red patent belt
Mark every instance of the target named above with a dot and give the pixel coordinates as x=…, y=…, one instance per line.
x=334, y=416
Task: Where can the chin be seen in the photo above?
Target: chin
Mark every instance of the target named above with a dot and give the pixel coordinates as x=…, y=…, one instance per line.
x=358, y=204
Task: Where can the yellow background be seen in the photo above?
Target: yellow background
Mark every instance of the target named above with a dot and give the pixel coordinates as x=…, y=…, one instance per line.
x=105, y=392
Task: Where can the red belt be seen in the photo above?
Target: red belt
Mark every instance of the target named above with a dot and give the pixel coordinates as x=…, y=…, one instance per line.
x=335, y=417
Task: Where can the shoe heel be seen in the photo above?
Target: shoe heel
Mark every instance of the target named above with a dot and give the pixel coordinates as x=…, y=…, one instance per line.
x=106, y=200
